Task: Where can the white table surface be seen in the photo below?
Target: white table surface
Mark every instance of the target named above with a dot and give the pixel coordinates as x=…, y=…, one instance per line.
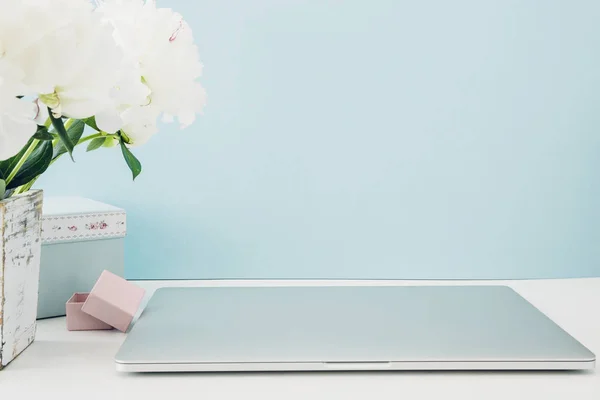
x=79, y=365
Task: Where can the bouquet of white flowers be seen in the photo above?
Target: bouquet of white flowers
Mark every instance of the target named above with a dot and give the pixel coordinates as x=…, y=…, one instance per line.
x=113, y=66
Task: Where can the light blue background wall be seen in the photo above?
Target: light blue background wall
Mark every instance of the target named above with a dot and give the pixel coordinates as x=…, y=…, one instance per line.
x=372, y=139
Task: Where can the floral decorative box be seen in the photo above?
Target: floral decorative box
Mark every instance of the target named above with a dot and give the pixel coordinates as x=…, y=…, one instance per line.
x=80, y=239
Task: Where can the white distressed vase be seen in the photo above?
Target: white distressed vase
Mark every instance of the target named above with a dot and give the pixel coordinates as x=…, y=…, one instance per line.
x=20, y=250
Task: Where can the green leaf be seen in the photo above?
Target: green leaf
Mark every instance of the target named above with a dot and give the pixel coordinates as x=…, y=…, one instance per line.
x=96, y=143
x=42, y=133
x=74, y=134
x=9, y=164
x=91, y=122
x=111, y=141
x=133, y=163
x=2, y=188
x=36, y=164
x=66, y=141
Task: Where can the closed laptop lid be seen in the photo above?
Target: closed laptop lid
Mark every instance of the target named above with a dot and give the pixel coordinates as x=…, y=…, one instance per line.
x=330, y=324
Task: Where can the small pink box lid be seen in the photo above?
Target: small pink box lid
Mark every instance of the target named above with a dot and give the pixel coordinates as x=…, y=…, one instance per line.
x=114, y=300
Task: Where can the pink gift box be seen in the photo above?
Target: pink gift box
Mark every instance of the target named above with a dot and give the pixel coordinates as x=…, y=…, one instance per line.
x=77, y=320
x=114, y=300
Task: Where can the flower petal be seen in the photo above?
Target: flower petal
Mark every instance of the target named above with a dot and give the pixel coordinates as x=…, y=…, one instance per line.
x=16, y=125
x=140, y=124
x=109, y=120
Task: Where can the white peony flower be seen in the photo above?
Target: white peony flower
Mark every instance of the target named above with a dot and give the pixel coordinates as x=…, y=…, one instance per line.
x=16, y=115
x=161, y=51
x=69, y=57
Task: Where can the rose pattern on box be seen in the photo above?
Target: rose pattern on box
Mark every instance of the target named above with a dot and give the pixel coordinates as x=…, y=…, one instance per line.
x=96, y=225
x=64, y=228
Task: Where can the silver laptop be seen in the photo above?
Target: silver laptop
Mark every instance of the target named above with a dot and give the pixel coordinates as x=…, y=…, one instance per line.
x=346, y=328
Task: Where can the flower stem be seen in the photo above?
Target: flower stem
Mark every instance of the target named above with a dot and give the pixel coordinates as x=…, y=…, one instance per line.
x=27, y=186
x=83, y=140
x=90, y=137
x=69, y=122
x=24, y=158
